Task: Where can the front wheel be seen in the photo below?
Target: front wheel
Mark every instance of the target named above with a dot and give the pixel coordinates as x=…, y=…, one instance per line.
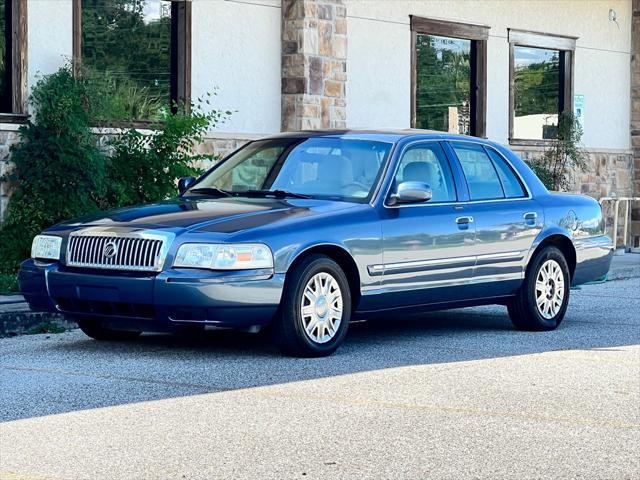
x=315, y=309
x=92, y=328
x=542, y=300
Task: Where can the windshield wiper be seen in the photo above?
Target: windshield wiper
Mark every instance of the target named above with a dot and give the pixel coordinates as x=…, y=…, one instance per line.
x=211, y=191
x=273, y=193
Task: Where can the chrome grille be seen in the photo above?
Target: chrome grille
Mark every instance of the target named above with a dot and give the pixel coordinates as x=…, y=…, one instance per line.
x=117, y=249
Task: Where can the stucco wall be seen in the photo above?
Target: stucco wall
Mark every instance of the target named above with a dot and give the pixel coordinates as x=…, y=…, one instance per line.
x=236, y=47
x=378, y=62
x=50, y=36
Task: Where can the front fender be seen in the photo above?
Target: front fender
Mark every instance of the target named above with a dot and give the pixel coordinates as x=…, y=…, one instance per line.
x=284, y=258
x=361, y=242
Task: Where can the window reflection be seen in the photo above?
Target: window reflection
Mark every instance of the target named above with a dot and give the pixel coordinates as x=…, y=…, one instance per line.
x=126, y=50
x=443, y=82
x=5, y=71
x=536, y=83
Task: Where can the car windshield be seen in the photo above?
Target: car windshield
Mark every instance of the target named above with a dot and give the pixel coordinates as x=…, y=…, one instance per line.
x=322, y=167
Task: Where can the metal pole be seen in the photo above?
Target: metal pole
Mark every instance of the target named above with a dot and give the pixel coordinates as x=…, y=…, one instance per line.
x=626, y=224
x=615, y=224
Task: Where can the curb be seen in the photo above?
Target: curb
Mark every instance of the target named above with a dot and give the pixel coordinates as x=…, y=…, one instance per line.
x=17, y=319
x=623, y=273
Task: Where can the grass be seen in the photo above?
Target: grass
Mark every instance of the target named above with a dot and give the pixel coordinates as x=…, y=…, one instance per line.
x=8, y=283
x=45, y=327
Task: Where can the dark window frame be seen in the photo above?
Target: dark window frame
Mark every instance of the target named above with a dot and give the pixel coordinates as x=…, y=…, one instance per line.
x=180, y=81
x=566, y=45
x=478, y=35
x=16, y=68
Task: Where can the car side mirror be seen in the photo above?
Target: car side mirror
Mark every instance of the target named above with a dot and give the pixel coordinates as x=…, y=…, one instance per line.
x=184, y=183
x=411, y=192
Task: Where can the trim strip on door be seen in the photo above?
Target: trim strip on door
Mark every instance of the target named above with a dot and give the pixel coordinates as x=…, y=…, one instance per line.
x=441, y=263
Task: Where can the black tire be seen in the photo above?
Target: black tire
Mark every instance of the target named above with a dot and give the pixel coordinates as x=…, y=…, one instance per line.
x=288, y=331
x=523, y=309
x=94, y=329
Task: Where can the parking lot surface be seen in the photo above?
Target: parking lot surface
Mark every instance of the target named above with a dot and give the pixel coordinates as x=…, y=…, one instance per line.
x=456, y=394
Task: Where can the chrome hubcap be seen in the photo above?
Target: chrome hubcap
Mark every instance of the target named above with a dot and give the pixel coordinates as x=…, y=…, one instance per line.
x=321, y=308
x=550, y=289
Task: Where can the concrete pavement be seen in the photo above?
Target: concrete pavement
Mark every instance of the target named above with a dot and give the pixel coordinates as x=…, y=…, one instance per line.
x=456, y=394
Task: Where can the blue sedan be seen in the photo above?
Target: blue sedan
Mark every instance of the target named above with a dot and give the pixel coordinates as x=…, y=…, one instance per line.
x=304, y=232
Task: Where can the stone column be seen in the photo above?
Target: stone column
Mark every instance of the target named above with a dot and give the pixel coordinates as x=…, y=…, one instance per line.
x=314, y=64
x=635, y=119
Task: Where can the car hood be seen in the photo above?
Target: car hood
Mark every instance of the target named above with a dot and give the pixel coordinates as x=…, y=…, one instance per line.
x=223, y=215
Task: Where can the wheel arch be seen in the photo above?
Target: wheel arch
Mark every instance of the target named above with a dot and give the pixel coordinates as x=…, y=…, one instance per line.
x=563, y=243
x=343, y=258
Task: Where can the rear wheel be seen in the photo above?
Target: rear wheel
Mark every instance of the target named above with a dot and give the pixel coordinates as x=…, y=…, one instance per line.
x=542, y=300
x=93, y=328
x=315, y=309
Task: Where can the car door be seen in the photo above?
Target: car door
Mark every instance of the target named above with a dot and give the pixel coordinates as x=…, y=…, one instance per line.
x=507, y=219
x=430, y=244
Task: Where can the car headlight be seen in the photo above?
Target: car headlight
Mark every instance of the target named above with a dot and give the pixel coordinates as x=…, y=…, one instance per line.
x=244, y=256
x=46, y=247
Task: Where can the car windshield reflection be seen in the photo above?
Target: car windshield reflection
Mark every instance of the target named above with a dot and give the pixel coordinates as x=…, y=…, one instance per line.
x=321, y=167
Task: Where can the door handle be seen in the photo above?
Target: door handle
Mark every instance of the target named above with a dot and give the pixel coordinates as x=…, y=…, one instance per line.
x=464, y=220
x=530, y=216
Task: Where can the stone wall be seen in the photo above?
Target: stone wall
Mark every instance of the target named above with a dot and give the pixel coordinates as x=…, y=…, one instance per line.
x=8, y=136
x=314, y=64
x=222, y=145
x=609, y=173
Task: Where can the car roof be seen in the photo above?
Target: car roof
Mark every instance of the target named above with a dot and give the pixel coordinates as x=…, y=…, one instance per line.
x=384, y=135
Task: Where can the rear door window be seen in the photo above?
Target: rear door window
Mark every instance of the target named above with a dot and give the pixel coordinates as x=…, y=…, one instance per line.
x=482, y=177
x=513, y=187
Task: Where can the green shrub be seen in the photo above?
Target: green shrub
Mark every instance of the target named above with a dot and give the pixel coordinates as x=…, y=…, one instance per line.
x=59, y=171
x=8, y=283
x=562, y=156
x=144, y=167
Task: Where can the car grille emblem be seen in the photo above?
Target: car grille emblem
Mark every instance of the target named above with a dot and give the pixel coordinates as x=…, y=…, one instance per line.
x=110, y=250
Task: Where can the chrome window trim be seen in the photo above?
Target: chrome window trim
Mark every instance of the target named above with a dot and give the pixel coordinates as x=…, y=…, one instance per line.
x=125, y=233
x=458, y=202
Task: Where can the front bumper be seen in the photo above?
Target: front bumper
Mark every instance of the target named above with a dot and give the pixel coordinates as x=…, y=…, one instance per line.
x=159, y=301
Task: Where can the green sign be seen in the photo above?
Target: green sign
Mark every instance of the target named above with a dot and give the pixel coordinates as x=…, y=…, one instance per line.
x=578, y=108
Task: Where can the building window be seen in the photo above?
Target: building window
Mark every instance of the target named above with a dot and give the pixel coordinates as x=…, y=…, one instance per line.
x=137, y=51
x=449, y=76
x=13, y=59
x=541, y=84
